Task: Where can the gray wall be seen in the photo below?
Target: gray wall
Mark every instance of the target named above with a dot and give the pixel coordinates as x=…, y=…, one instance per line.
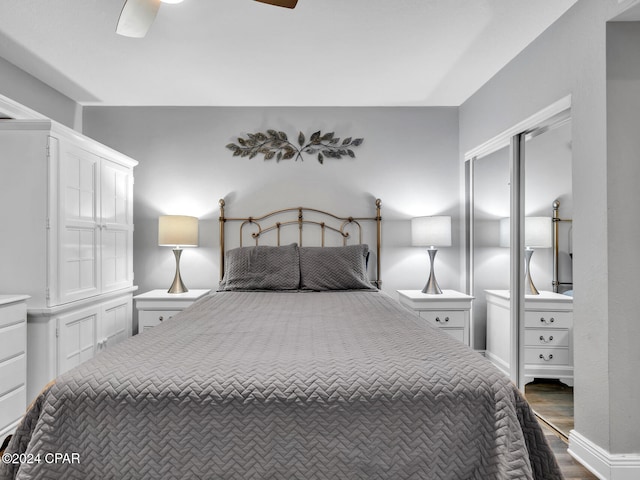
x=623, y=202
x=409, y=159
x=27, y=90
x=570, y=58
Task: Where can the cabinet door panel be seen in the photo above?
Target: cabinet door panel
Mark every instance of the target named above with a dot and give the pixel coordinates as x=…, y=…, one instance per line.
x=115, y=322
x=79, y=183
x=115, y=192
x=76, y=338
x=117, y=226
x=78, y=267
x=116, y=267
x=78, y=252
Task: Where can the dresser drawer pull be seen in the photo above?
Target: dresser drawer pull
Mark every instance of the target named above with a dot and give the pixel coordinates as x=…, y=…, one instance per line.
x=543, y=340
x=446, y=319
x=161, y=318
x=548, y=358
x=544, y=320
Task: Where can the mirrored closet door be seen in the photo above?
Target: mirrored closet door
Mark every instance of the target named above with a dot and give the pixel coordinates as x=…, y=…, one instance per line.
x=491, y=253
x=520, y=259
x=548, y=329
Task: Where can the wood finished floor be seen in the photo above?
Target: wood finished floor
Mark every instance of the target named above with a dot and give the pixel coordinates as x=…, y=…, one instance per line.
x=554, y=402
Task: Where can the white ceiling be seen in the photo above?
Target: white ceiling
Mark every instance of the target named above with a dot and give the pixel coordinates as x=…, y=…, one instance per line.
x=245, y=53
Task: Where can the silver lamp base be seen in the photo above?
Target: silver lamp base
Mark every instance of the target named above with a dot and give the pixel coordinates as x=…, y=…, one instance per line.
x=177, y=286
x=529, y=287
x=432, y=286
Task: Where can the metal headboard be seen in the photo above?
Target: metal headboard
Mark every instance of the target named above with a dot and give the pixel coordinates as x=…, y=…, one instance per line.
x=556, y=273
x=277, y=220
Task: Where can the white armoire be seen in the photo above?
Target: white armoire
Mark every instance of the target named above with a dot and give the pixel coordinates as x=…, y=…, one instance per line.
x=66, y=236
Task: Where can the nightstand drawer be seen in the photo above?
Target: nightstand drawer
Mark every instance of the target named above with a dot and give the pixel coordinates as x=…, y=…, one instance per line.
x=448, y=311
x=11, y=314
x=156, y=306
x=153, y=318
x=12, y=407
x=12, y=374
x=546, y=356
x=543, y=319
x=454, y=319
x=457, y=333
x=13, y=341
x=546, y=337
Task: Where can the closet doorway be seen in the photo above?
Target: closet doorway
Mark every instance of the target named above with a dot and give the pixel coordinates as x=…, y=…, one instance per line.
x=519, y=208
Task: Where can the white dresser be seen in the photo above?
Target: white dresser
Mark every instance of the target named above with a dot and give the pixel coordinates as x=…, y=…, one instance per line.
x=448, y=311
x=548, y=334
x=156, y=306
x=13, y=361
x=69, y=224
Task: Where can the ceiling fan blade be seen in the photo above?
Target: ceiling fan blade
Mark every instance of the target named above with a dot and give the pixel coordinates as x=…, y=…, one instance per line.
x=136, y=17
x=280, y=3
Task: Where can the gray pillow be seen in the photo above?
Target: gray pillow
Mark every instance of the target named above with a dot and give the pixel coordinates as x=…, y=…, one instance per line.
x=262, y=268
x=334, y=268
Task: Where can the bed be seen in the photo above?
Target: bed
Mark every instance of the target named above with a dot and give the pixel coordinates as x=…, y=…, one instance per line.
x=304, y=381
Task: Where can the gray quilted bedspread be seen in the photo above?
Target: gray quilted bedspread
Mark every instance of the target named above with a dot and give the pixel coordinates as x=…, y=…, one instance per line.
x=259, y=385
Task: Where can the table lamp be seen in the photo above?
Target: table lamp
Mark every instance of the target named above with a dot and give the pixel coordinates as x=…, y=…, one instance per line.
x=537, y=234
x=177, y=231
x=431, y=232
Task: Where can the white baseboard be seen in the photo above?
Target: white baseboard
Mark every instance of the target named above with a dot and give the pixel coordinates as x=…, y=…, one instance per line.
x=601, y=463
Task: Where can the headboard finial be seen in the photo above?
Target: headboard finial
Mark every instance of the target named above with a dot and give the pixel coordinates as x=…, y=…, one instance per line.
x=221, y=202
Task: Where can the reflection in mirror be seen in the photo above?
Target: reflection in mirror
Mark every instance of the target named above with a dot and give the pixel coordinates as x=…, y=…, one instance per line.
x=547, y=179
x=528, y=336
x=548, y=344
x=491, y=203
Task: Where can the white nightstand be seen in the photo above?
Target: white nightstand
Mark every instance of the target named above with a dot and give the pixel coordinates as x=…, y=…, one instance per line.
x=548, y=334
x=13, y=361
x=448, y=311
x=158, y=305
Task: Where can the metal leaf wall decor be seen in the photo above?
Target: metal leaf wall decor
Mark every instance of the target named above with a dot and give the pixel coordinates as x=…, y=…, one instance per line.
x=275, y=144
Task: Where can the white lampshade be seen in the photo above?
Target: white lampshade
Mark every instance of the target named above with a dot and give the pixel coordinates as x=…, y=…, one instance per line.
x=431, y=231
x=177, y=231
x=537, y=232
x=171, y=1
